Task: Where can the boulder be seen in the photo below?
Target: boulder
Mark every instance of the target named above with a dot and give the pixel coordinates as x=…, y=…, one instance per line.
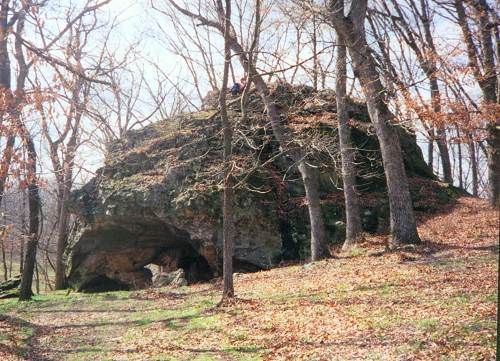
x=10, y=288
x=176, y=278
x=157, y=200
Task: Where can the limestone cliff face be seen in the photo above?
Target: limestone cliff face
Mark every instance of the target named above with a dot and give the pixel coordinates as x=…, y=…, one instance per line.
x=157, y=199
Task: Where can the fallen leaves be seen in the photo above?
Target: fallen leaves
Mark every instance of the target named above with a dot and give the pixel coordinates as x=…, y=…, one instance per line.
x=419, y=303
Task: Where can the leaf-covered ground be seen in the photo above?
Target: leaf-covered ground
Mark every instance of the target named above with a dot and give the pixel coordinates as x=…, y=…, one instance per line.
x=435, y=302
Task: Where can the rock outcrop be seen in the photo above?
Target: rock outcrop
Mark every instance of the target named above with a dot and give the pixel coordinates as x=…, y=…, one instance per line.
x=176, y=278
x=10, y=288
x=157, y=199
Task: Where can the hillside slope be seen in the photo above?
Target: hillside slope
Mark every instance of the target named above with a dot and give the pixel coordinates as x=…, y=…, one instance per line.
x=437, y=302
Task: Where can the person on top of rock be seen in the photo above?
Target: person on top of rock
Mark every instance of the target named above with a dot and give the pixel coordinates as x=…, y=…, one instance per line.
x=238, y=87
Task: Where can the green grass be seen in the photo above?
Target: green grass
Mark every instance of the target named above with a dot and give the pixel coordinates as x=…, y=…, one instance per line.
x=428, y=324
x=126, y=317
x=492, y=298
x=184, y=324
x=357, y=252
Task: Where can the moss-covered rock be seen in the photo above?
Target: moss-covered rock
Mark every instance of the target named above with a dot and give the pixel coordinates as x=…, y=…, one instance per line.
x=11, y=287
x=158, y=197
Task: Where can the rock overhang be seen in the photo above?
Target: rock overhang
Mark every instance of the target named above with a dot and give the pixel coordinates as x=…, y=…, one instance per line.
x=160, y=189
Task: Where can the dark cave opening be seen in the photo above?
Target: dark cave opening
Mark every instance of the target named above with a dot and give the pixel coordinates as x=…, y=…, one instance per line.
x=196, y=268
x=290, y=248
x=133, y=251
x=101, y=283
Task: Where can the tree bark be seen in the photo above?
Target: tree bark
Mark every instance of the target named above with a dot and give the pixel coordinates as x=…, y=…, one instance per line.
x=64, y=189
x=488, y=82
x=62, y=236
x=5, y=85
x=310, y=177
x=318, y=241
x=34, y=210
x=4, y=258
x=21, y=255
x=426, y=54
x=351, y=28
x=445, y=155
x=4, y=52
x=11, y=258
x=460, y=163
x=494, y=164
x=473, y=163
x=228, y=213
x=37, y=278
x=353, y=219
x=314, y=40
x=23, y=234
x=430, y=149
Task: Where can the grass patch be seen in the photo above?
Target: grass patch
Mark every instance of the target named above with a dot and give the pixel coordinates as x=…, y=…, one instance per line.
x=387, y=289
x=491, y=298
x=358, y=252
x=412, y=347
x=428, y=324
x=480, y=325
x=245, y=353
x=204, y=323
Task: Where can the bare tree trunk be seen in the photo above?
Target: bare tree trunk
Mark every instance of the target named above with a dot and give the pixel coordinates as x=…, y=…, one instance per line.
x=5, y=165
x=485, y=71
x=315, y=52
x=34, y=210
x=351, y=28
x=23, y=234
x=430, y=148
x=460, y=164
x=37, y=279
x=4, y=52
x=46, y=273
x=473, y=163
x=62, y=234
x=228, y=213
x=425, y=51
x=310, y=177
x=21, y=255
x=4, y=238
x=45, y=270
x=5, y=84
x=489, y=85
x=60, y=279
x=445, y=156
x=11, y=261
x=353, y=219
x=4, y=258
x=431, y=72
x=494, y=164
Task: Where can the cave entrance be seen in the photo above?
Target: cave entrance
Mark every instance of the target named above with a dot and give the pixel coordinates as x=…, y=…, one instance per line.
x=195, y=266
x=123, y=254
x=103, y=283
x=136, y=268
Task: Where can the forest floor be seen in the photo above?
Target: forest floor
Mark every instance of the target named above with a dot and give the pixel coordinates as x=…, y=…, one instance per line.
x=434, y=302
